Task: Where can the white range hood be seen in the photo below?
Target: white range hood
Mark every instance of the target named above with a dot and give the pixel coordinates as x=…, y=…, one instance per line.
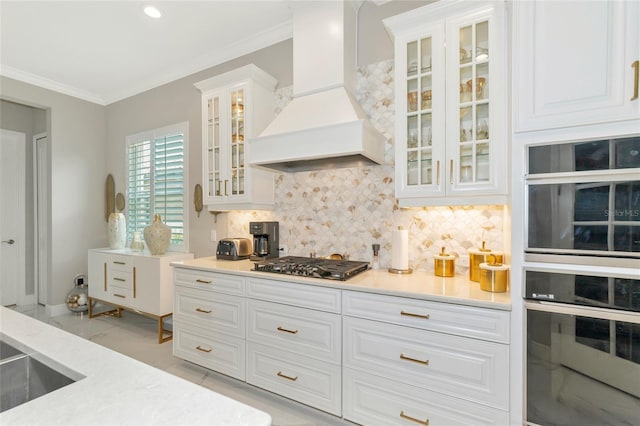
x=323, y=126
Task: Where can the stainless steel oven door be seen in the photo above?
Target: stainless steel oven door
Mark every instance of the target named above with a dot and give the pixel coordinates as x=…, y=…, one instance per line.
x=598, y=287
x=576, y=216
x=583, y=200
x=583, y=365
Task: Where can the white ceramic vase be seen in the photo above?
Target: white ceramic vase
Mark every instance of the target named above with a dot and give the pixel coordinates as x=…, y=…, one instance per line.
x=157, y=236
x=136, y=242
x=117, y=231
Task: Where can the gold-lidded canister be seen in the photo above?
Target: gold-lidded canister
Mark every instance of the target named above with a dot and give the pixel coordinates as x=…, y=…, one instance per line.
x=476, y=257
x=494, y=276
x=444, y=264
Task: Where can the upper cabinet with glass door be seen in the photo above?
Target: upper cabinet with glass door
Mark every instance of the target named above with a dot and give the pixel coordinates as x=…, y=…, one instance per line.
x=450, y=138
x=236, y=105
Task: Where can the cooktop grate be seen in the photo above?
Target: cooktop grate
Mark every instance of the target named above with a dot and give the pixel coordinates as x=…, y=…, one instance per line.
x=312, y=267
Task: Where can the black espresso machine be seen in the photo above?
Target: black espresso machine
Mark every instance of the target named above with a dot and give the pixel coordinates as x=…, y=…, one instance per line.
x=266, y=244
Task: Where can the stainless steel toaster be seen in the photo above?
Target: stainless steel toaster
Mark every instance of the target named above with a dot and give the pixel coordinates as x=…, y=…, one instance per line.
x=234, y=249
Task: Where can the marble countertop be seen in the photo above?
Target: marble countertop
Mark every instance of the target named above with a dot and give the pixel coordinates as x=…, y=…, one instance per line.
x=115, y=389
x=419, y=284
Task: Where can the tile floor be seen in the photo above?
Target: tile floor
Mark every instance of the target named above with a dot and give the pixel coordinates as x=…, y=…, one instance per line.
x=135, y=336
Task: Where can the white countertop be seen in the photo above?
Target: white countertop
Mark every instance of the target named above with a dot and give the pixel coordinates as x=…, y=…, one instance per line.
x=419, y=284
x=115, y=390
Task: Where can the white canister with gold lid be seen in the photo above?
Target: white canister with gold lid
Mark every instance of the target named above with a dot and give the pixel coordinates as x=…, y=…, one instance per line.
x=494, y=276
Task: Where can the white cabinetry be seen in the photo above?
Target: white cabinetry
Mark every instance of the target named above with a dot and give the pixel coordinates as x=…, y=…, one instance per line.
x=417, y=352
x=133, y=281
x=236, y=106
x=451, y=115
x=294, y=350
x=575, y=64
x=210, y=320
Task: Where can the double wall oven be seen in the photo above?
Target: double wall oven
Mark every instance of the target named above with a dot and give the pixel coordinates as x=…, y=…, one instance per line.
x=582, y=283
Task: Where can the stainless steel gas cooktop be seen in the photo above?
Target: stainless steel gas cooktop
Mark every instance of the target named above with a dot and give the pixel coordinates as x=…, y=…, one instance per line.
x=312, y=267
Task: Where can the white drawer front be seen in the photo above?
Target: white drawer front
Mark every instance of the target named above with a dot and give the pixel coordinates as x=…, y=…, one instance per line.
x=119, y=279
x=373, y=400
x=119, y=262
x=224, y=283
x=303, y=379
x=481, y=323
x=221, y=353
x=303, y=331
x=215, y=311
x=468, y=368
x=306, y=296
x=120, y=296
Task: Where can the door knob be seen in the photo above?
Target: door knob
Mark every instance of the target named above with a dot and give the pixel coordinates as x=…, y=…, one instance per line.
x=8, y=242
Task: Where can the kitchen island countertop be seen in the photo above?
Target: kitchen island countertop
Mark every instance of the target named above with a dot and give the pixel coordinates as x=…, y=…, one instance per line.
x=419, y=284
x=116, y=389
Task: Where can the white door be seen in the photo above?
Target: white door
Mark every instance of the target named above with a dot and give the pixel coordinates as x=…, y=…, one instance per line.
x=12, y=217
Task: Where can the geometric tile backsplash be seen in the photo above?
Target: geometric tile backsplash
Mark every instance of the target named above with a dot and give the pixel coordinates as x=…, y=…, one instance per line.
x=347, y=210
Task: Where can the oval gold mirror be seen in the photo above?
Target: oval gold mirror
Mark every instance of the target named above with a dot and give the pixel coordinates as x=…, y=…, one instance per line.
x=197, y=198
x=120, y=201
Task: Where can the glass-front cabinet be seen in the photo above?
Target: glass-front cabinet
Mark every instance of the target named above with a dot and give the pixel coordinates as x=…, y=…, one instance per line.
x=235, y=106
x=451, y=120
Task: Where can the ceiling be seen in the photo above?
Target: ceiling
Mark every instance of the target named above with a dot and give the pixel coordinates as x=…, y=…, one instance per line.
x=104, y=51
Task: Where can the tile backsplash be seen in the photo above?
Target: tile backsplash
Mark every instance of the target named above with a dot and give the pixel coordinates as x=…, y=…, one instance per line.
x=347, y=210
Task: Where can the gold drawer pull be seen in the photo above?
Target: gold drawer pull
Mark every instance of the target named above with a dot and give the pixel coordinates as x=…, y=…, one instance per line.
x=288, y=331
x=119, y=279
x=200, y=348
x=409, y=314
x=413, y=419
x=119, y=263
x=119, y=295
x=419, y=361
x=203, y=281
x=636, y=66
x=293, y=379
x=203, y=311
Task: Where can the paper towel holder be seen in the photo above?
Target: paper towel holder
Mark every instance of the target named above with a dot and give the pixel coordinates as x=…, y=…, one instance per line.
x=400, y=271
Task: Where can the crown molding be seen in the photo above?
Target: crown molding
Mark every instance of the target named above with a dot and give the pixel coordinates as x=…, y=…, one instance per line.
x=49, y=84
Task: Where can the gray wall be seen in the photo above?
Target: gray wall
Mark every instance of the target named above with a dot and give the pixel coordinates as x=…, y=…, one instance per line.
x=77, y=148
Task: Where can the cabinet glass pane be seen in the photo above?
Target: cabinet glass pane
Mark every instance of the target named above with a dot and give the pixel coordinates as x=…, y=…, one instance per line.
x=466, y=163
x=412, y=132
x=412, y=95
x=425, y=55
x=213, y=146
x=412, y=168
x=426, y=137
x=425, y=93
x=412, y=58
x=426, y=167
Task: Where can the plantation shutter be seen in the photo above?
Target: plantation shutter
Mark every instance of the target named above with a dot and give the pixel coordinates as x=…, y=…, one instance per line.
x=156, y=182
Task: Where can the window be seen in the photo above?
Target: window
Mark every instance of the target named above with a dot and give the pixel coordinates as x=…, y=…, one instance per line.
x=157, y=178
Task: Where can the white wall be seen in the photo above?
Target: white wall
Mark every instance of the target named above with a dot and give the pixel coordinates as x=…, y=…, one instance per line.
x=77, y=132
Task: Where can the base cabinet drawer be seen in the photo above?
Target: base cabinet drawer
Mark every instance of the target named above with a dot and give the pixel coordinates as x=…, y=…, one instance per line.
x=300, y=378
x=373, y=400
x=224, y=354
x=215, y=311
x=458, y=366
x=303, y=331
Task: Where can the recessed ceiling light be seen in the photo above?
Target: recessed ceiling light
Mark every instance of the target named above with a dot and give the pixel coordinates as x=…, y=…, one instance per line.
x=152, y=11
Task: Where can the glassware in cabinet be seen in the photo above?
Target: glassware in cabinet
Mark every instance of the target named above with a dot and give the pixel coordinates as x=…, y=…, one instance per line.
x=474, y=149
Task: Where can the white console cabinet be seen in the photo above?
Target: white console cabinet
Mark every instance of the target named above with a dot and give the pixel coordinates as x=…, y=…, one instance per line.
x=133, y=281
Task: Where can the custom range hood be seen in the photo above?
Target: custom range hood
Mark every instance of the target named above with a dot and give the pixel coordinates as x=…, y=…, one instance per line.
x=323, y=126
